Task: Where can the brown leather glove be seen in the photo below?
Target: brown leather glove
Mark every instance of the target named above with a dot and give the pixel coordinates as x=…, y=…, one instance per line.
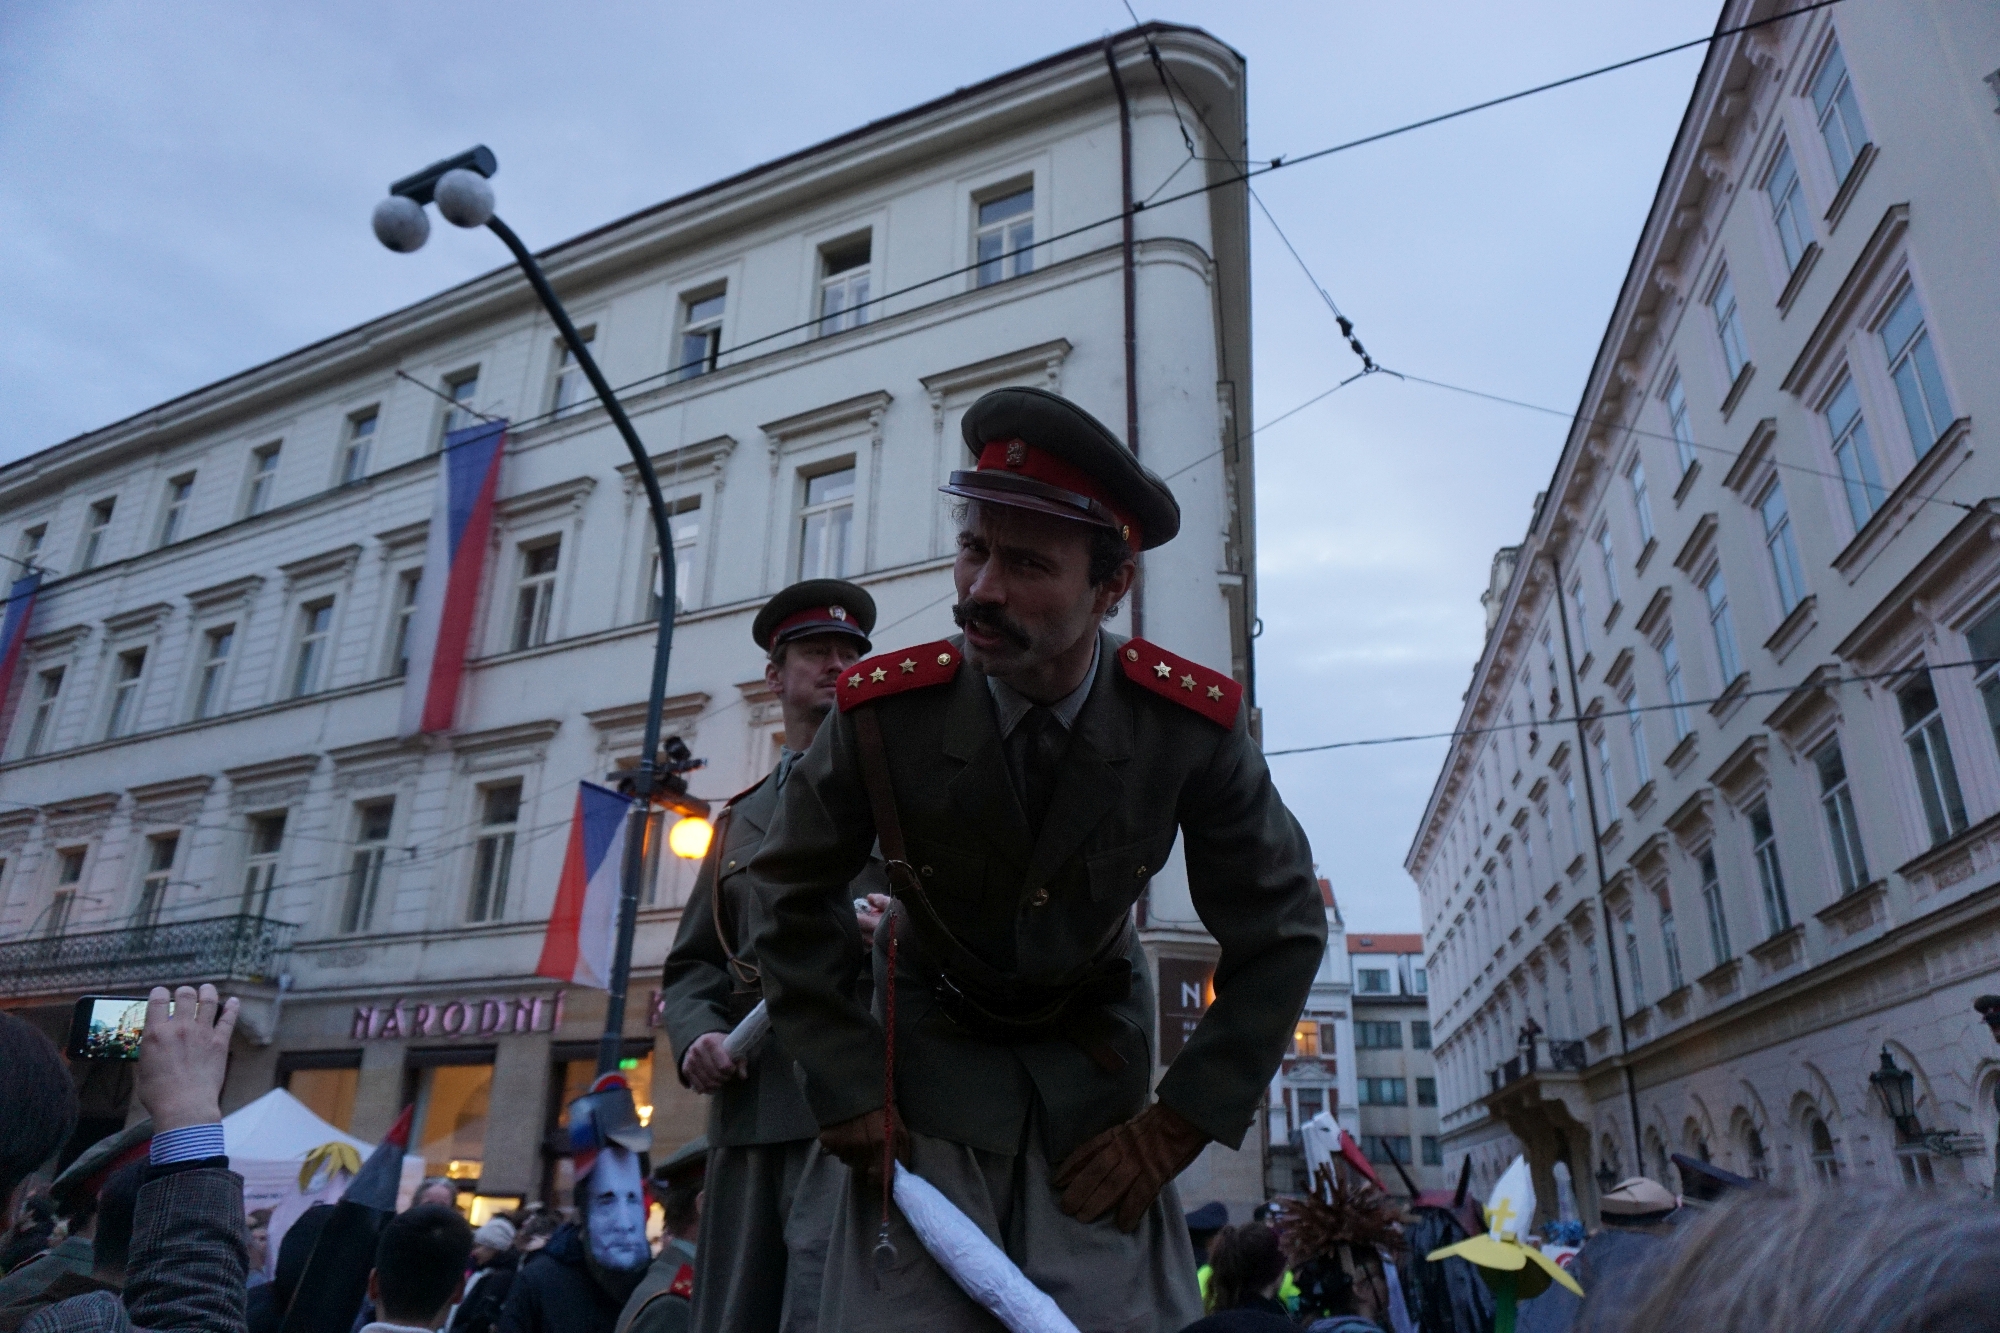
x=1128, y=1165
x=858, y=1142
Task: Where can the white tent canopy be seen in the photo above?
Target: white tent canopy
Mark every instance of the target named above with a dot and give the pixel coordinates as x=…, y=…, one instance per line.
x=267, y=1142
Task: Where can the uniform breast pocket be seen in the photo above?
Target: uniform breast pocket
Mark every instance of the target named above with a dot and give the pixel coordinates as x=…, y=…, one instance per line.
x=1123, y=871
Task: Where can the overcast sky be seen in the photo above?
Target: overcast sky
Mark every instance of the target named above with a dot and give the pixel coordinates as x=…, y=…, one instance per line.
x=184, y=192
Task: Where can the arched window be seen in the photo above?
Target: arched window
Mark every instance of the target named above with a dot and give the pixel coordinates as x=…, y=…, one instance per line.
x=1825, y=1160
x=1759, y=1160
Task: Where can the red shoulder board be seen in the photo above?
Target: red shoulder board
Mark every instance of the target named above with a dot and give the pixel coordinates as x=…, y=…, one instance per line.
x=683, y=1284
x=1210, y=693
x=893, y=673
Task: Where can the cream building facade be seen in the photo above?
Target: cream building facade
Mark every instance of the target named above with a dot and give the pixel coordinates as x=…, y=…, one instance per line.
x=1721, y=833
x=203, y=776
x=1395, y=1076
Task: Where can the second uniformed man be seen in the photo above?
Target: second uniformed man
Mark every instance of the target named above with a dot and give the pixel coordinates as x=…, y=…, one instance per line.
x=1026, y=781
x=769, y=1198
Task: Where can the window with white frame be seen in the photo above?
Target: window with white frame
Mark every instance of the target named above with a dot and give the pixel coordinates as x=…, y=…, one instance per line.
x=1605, y=771
x=1004, y=235
x=69, y=876
x=1930, y=757
x=128, y=679
x=1420, y=985
x=1838, y=113
x=1372, y=981
x=30, y=544
x=493, y=858
x=174, y=507
x=159, y=875
x=535, y=593
x=95, y=524
x=1670, y=939
x=263, y=485
x=1982, y=640
x=1913, y=365
x=684, y=522
x=364, y=867
x=1728, y=325
x=1642, y=505
x=1569, y=801
x=1770, y=875
x=263, y=846
x=826, y=523
x=355, y=448
x=1635, y=727
x=1783, y=547
x=1589, y=946
x=1716, y=593
x=701, y=334
x=1677, y=422
x=1711, y=902
x=310, y=649
x=571, y=385
x=1860, y=477
x=1549, y=659
x=460, y=390
x=1609, y=553
x=1836, y=803
x=843, y=285
x=1788, y=207
x=210, y=689
x=42, y=723
x=404, y=606
x=1631, y=935
x=1670, y=664
x=1825, y=1158
x=1582, y=616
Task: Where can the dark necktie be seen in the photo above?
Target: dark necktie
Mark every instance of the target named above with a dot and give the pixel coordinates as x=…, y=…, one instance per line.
x=1044, y=740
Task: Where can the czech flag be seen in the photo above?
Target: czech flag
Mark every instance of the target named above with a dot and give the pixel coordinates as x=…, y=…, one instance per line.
x=13, y=634
x=448, y=591
x=583, y=928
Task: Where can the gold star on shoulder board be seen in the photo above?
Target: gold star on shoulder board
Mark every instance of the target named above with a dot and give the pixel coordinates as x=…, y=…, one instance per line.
x=878, y=675
x=907, y=665
x=1162, y=670
x=1187, y=682
x=854, y=681
x=1215, y=692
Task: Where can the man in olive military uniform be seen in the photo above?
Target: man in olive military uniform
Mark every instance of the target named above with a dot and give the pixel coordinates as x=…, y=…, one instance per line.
x=1026, y=780
x=770, y=1193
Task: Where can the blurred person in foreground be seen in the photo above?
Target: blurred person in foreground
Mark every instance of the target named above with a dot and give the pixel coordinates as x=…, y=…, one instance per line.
x=110, y=1249
x=495, y=1262
x=1247, y=1265
x=419, y=1269
x=436, y=1189
x=664, y=1301
x=188, y=1259
x=1853, y=1259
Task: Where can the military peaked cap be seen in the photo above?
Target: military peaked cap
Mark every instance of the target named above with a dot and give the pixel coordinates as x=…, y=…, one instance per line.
x=1038, y=451
x=815, y=606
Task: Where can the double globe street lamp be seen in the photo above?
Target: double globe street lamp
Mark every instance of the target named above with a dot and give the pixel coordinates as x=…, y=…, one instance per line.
x=460, y=188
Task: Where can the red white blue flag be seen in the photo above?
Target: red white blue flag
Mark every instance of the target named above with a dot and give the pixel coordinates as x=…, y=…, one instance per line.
x=448, y=592
x=583, y=928
x=13, y=634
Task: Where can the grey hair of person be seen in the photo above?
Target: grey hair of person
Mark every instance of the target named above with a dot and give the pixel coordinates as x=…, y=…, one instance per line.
x=1850, y=1259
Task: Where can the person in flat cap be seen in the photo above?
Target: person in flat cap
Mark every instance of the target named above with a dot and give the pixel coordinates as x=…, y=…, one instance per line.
x=663, y=1302
x=771, y=1191
x=1609, y=1266
x=1026, y=780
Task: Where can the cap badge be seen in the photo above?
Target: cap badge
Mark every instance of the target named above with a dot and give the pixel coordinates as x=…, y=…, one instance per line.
x=1017, y=453
x=837, y=612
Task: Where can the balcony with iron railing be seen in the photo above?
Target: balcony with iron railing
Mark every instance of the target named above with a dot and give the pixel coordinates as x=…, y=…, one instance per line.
x=222, y=948
x=1542, y=1055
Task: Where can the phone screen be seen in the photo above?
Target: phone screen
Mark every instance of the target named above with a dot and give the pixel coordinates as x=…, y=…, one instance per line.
x=107, y=1027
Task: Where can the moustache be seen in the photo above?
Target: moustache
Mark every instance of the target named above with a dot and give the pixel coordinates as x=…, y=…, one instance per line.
x=990, y=617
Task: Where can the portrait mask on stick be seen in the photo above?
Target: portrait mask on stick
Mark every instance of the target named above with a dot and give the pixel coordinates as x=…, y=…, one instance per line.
x=606, y=1140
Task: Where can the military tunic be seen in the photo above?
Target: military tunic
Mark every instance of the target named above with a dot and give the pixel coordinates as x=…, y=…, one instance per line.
x=1139, y=769
x=770, y=1191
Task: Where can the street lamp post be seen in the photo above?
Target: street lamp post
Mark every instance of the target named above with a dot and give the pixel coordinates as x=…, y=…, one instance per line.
x=459, y=187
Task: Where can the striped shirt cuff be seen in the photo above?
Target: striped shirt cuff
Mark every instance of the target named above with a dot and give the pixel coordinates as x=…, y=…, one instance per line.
x=190, y=1143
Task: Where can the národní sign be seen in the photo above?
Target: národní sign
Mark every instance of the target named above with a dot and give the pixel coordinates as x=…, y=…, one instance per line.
x=486, y=1016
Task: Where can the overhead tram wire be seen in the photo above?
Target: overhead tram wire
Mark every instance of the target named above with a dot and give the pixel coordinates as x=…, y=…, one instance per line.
x=1247, y=173
x=1607, y=713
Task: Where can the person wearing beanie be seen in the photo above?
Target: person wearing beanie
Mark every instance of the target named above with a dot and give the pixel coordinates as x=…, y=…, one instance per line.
x=495, y=1262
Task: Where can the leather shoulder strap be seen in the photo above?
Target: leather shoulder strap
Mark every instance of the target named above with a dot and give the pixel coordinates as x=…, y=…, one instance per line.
x=875, y=777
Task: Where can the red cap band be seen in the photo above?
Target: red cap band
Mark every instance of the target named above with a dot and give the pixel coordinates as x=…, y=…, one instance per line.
x=816, y=619
x=1022, y=459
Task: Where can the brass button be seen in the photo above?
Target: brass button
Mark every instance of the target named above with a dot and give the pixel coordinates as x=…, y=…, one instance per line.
x=732, y=865
x=927, y=872
x=1131, y=654
x=944, y=659
x=1039, y=898
x=1140, y=873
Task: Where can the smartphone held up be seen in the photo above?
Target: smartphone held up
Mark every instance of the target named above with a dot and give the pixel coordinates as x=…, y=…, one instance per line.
x=107, y=1027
